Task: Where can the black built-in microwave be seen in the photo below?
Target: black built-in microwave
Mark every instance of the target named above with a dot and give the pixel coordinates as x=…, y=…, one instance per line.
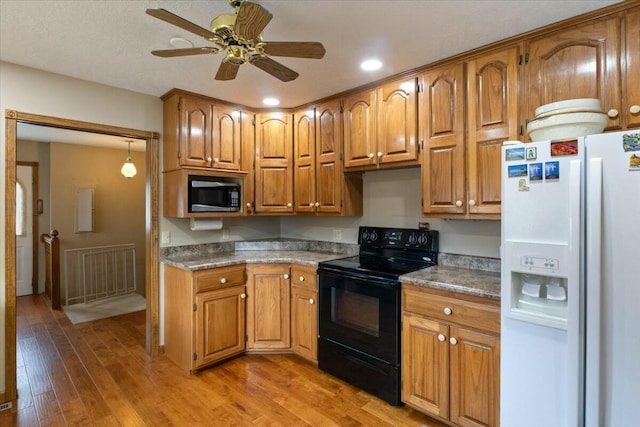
x=213, y=194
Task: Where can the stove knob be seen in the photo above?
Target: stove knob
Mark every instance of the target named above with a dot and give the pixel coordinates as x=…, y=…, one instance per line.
x=422, y=239
x=365, y=235
x=374, y=236
x=413, y=239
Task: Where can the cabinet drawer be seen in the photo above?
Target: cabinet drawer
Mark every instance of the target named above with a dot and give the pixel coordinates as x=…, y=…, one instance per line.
x=216, y=278
x=304, y=277
x=428, y=303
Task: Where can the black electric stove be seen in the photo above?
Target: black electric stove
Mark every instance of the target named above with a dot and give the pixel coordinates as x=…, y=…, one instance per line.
x=359, y=307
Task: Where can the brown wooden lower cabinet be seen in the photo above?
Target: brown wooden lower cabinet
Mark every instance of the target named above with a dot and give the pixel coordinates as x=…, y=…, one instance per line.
x=451, y=356
x=304, y=312
x=204, y=315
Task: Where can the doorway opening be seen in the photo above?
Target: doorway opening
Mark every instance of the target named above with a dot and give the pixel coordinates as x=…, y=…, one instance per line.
x=12, y=119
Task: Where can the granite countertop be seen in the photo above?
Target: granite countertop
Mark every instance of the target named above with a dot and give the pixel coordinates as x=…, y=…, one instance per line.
x=201, y=262
x=454, y=279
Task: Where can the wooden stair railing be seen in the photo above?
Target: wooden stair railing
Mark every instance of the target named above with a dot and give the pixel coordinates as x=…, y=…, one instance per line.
x=52, y=267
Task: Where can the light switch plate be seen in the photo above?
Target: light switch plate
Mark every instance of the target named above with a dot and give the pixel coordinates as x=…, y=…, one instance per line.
x=165, y=237
x=337, y=235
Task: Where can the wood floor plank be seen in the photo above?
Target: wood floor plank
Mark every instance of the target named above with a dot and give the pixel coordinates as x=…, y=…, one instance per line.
x=98, y=374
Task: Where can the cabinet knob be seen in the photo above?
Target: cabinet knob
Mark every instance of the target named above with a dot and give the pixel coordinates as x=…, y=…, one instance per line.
x=317, y=204
x=379, y=153
x=371, y=155
x=302, y=278
x=458, y=203
x=613, y=113
x=635, y=109
x=310, y=204
x=216, y=160
x=248, y=205
x=447, y=311
x=453, y=341
x=472, y=202
x=286, y=276
x=223, y=280
x=289, y=205
x=311, y=301
x=209, y=159
x=243, y=295
x=441, y=338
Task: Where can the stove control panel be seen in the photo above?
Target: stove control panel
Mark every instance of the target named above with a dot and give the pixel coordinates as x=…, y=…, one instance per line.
x=402, y=238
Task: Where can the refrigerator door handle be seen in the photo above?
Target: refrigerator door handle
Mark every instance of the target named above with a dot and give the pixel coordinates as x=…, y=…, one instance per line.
x=593, y=311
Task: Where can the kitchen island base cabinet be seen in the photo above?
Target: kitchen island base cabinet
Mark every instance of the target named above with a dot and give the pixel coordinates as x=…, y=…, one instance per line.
x=204, y=315
x=451, y=356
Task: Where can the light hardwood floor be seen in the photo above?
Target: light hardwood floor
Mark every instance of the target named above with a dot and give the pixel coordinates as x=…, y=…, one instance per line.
x=97, y=373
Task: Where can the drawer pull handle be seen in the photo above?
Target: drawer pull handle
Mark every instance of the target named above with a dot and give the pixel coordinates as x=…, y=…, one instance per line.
x=223, y=280
x=243, y=295
x=441, y=338
x=448, y=311
x=302, y=278
x=453, y=341
x=613, y=113
x=286, y=276
x=635, y=109
x=311, y=301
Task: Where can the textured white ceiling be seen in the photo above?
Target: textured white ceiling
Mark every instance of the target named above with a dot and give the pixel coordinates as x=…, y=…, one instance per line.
x=109, y=41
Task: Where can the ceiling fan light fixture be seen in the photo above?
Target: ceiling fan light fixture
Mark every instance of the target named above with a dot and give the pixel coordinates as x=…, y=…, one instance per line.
x=371, y=65
x=237, y=55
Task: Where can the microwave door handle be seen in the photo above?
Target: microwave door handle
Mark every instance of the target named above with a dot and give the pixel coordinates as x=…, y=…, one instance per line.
x=197, y=184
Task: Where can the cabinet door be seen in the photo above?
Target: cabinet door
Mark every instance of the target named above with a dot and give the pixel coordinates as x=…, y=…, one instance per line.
x=425, y=365
x=442, y=121
x=220, y=327
x=226, y=139
x=304, y=322
x=475, y=378
x=579, y=62
x=492, y=118
x=268, y=307
x=273, y=168
x=397, y=122
x=329, y=176
x=631, y=82
x=304, y=152
x=195, y=132
x=360, y=130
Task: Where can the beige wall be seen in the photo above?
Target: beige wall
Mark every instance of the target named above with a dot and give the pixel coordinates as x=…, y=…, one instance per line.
x=119, y=203
x=392, y=199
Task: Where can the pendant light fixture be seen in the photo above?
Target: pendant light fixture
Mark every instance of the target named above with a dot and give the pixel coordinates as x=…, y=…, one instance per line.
x=129, y=169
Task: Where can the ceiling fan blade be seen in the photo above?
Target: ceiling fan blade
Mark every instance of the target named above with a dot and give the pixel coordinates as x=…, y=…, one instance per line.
x=173, y=19
x=251, y=20
x=227, y=71
x=169, y=53
x=295, y=49
x=274, y=68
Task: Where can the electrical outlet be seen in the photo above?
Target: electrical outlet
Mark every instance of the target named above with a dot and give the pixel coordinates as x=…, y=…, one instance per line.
x=6, y=406
x=225, y=234
x=165, y=237
x=337, y=235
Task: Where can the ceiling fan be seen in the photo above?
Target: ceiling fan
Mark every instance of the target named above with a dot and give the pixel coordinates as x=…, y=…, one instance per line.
x=239, y=36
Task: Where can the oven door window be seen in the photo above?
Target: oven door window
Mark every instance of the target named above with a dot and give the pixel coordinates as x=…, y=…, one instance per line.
x=361, y=313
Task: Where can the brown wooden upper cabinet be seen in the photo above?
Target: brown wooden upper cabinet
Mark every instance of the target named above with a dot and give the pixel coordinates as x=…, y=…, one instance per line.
x=380, y=126
x=631, y=82
x=273, y=163
x=321, y=187
x=200, y=133
x=578, y=62
x=461, y=161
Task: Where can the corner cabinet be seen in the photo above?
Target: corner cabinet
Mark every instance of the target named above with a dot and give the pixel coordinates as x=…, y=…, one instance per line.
x=321, y=186
x=268, y=307
x=462, y=159
x=204, y=315
x=381, y=126
x=200, y=132
x=273, y=163
x=451, y=356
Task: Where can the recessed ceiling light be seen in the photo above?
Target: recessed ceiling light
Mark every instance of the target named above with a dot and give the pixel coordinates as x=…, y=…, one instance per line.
x=371, y=65
x=180, y=43
x=271, y=102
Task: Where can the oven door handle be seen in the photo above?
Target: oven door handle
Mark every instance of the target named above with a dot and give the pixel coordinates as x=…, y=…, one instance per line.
x=372, y=280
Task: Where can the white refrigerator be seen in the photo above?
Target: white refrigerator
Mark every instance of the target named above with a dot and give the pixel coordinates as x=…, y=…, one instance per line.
x=570, y=247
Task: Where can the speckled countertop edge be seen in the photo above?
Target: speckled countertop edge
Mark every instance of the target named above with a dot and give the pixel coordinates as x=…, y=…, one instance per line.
x=454, y=279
